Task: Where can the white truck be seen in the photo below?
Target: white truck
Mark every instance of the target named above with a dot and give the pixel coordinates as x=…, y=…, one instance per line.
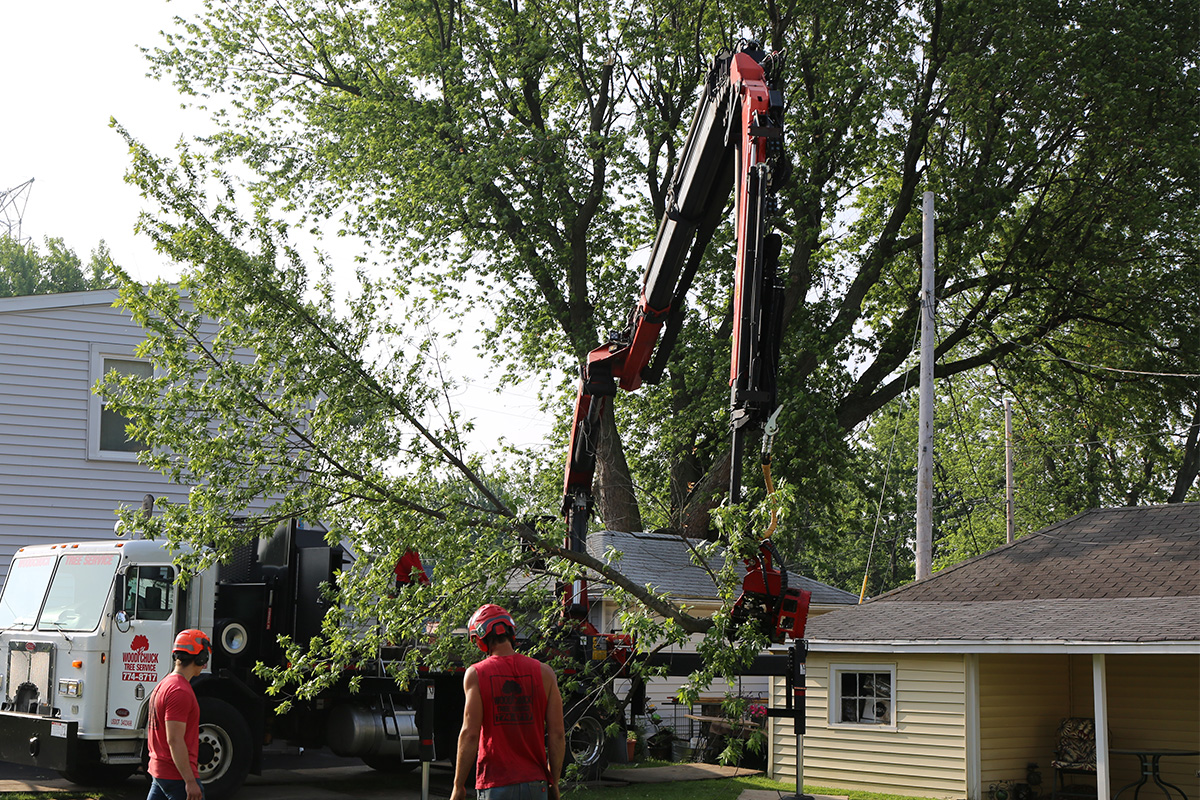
x=86, y=631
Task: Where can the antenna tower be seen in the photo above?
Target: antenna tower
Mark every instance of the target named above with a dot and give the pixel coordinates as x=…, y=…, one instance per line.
x=12, y=208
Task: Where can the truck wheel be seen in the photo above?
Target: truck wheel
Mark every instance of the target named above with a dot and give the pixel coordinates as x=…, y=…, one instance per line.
x=586, y=745
x=225, y=744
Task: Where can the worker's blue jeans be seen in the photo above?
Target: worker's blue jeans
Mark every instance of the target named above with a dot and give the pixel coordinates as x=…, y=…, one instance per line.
x=167, y=789
x=534, y=790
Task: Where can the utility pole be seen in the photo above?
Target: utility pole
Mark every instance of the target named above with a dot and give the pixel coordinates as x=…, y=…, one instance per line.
x=1009, y=506
x=925, y=409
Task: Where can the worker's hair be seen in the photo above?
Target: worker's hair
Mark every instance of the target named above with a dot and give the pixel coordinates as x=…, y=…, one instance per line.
x=187, y=659
x=499, y=634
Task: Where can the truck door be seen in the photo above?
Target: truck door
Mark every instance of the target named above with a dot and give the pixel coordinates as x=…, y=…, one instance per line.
x=143, y=632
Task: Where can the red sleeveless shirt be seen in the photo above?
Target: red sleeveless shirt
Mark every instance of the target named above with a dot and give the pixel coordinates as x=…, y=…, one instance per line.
x=512, y=740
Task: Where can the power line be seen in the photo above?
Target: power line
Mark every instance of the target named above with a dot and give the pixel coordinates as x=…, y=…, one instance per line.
x=1129, y=371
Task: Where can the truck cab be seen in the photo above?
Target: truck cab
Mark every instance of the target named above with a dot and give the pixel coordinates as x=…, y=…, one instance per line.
x=86, y=631
x=85, y=634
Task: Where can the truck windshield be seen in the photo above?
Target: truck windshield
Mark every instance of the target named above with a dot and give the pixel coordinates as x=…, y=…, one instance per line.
x=80, y=592
x=24, y=590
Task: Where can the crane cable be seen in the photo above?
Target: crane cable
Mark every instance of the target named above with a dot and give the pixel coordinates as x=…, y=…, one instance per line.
x=886, y=473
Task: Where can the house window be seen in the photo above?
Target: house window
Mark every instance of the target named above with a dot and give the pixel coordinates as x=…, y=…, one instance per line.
x=862, y=695
x=107, y=437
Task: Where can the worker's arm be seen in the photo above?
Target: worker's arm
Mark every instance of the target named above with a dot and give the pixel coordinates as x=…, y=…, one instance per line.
x=468, y=737
x=556, y=736
x=177, y=742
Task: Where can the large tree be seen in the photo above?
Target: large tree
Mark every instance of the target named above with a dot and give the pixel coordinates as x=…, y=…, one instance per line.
x=516, y=156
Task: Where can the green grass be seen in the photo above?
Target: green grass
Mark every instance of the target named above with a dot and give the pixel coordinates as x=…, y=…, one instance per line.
x=717, y=789
x=714, y=789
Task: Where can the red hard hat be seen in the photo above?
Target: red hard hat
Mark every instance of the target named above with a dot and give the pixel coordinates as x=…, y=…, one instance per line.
x=489, y=618
x=193, y=642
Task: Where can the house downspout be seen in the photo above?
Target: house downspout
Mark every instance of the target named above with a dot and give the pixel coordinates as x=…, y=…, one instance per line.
x=1100, y=693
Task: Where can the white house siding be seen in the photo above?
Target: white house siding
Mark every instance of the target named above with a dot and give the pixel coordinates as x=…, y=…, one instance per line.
x=1022, y=699
x=49, y=489
x=925, y=756
x=662, y=693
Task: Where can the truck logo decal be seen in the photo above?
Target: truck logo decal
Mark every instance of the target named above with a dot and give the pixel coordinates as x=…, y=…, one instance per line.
x=122, y=712
x=139, y=664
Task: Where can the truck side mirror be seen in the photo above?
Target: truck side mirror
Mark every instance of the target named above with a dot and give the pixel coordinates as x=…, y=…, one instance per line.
x=122, y=591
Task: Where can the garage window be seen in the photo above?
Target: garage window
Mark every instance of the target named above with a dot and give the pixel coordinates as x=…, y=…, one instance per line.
x=862, y=695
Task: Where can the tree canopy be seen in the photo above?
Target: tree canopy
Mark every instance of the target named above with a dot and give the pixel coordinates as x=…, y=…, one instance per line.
x=26, y=269
x=515, y=157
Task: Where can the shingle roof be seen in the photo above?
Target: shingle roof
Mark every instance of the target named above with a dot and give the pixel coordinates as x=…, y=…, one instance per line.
x=663, y=561
x=1149, y=551
x=1133, y=619
x=1118, y=575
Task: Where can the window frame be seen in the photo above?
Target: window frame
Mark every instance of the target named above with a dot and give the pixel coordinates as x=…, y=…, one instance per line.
x=834, y=703
x=131, y=578
x=96, y=403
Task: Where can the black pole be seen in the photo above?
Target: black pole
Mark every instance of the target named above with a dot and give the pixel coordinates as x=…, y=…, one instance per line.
x=797, y=658
x=425, y=731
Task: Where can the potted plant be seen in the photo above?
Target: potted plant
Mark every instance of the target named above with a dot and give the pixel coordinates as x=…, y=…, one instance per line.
x=634, y=737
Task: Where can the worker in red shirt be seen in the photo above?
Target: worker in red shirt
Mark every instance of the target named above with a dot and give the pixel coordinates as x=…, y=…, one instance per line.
x=410, y=568
x=513, y=720
x=173, y=728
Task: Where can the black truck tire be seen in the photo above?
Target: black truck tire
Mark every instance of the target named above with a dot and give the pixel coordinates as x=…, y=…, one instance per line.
x=225, y=748
x=586, y=744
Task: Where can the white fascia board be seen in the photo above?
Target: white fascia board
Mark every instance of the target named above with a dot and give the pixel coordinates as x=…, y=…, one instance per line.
x=1008, y=646
x=40, y=302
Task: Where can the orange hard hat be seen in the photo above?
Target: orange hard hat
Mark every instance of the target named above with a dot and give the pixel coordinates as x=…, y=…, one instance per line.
x=195, y=643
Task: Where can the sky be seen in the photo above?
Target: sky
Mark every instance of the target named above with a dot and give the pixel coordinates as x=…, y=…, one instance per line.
x=70, y=66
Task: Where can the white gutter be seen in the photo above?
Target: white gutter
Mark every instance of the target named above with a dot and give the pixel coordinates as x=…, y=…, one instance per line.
x=1182, y=647
x=42, y=302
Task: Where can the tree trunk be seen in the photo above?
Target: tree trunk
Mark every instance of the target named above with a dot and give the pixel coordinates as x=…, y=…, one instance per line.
x=1190, y=467
x=616, y=503
x=706, y=495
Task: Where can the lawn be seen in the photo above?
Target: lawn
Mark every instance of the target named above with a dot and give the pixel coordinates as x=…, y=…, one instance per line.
x=721, y=789
x=714, y=789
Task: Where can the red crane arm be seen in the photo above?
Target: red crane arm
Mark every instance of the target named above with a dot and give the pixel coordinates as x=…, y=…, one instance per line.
x=735, y=140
